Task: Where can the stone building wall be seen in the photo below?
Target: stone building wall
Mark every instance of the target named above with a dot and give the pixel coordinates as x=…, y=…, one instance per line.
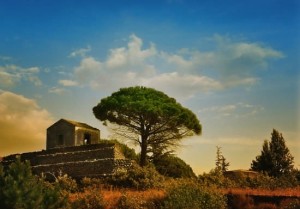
x=61, y=129
x=94, y=160
x=66, y=133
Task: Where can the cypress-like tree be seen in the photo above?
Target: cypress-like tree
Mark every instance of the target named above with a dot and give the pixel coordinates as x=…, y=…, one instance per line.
x=221, y=163
x=275, y=159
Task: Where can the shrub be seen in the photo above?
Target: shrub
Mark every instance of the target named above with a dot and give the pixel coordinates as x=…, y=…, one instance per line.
x=67, y=183
x=188, y=194
x=126, y=202
x=93, y=200
x=19, y=188
x=90, y=183
x=128, y=152
x=138, y=177
x=215, y=178
x=173, y=166
x=240, y=180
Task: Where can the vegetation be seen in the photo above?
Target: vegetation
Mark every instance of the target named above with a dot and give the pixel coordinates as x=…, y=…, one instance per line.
x=128, y=152
x=275, y=158
x=138, y=177
x=142, y=187
x=165, y=183
x=221, y=163
x=148, y=117
x=172, y=166
x=189, y=194
x=19, y=188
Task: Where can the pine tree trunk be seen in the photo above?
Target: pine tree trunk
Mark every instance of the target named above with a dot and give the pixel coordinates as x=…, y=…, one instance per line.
x=143, y=159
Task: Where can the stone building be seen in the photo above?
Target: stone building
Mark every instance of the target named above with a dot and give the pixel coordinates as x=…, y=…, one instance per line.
x=74, y=148
x=67, y=133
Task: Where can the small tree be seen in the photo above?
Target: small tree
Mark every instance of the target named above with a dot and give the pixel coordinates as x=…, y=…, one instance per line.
x=19, y=188
x=221, y=163
x=275, y=159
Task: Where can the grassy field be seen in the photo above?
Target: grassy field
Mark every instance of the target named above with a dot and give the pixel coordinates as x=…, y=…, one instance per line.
x=111, y=197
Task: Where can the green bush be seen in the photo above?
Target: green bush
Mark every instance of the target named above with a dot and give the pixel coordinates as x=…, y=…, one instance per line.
x=215, y=179
x=19, y=188
x=91, y=183
x=261, y=180
x=128, y=152
x=138, y=177
x=67, y=183
x=173, y=166
x=189, y=194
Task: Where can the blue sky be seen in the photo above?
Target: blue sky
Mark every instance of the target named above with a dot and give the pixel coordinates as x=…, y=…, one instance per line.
x=233, y=63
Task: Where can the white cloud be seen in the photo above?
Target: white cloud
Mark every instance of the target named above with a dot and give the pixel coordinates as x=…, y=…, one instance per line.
x=185, y=72
x=68, y=82
x=80, y=52
x=87, y=70
x=57, y=90
x=11, y=75
x=233, y=110
x=182, y=85
x=22, y=124
x=240, y=59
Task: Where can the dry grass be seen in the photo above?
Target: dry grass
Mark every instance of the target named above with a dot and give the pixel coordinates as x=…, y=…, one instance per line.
x=111, y=197
x=290, y=192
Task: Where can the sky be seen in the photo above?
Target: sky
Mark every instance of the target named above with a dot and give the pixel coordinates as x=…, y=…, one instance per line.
x=234, y=63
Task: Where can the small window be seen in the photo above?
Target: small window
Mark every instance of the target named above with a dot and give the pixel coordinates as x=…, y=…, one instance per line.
x=87, y=138
x=60, y=139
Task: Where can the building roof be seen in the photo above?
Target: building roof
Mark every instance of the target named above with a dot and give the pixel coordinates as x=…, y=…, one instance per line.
x=77, y=124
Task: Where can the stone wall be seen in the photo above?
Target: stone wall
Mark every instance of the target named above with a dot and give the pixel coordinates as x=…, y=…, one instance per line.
x=63, y=129
x=78, y=161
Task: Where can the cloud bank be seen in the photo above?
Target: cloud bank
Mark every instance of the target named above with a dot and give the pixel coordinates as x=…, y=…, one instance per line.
x=23, y=124
x=184, y=73
x=11, y=75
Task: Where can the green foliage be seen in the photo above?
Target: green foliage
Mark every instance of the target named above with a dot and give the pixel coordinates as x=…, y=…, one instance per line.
x=215, y=179
x=173, y=166
x=67, y=183
x=91, y=183
x=241, y=180
x=94, y=200
x=148, y=117
x=188, y=194
x=127, y=202
x=275, y=158
x=128, y=152
x=20, y=189
x=221, y=163
x=138, y=177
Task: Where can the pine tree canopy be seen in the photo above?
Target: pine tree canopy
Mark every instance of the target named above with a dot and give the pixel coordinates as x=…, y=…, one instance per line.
x=148, y=117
